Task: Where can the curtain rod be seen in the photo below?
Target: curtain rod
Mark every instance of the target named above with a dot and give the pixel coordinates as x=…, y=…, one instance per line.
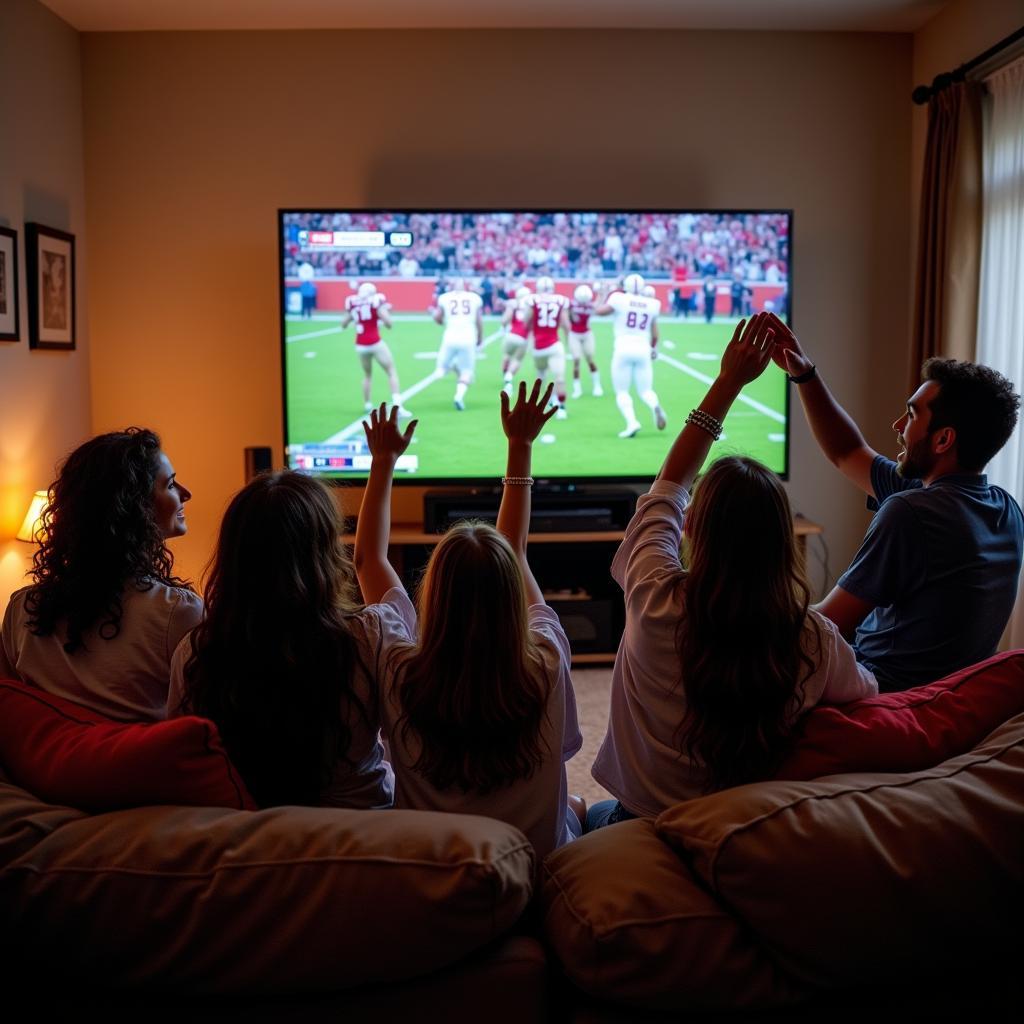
x=923, y=93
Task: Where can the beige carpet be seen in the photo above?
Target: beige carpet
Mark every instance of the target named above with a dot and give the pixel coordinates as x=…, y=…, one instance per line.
x=591, y=686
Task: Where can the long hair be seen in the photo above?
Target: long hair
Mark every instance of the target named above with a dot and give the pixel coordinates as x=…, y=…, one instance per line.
x=746, y=640
x=273, y=661
x=474, y=690
x=99, y=534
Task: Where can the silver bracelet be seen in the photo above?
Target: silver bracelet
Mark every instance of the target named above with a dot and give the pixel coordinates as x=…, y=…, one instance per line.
x=706, y=422
x=517, y=481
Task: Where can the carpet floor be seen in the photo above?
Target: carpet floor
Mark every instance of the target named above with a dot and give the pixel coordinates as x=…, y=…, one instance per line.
x=592, y=686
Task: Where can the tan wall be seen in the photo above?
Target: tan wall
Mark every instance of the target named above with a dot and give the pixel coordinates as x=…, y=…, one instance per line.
x=193, y=141
x=44, y=396
x=959, y=32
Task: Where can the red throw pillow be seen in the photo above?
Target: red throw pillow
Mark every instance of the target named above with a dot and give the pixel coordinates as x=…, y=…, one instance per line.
x=909, y=731
x=66, y=754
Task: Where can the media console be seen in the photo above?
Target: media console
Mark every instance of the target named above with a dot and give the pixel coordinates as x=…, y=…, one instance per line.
x=554, y=511
x=573, y=569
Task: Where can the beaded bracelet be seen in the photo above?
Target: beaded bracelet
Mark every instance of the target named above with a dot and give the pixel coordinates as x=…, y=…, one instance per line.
x=804, y=377
x=706, y=422
x=517, y=481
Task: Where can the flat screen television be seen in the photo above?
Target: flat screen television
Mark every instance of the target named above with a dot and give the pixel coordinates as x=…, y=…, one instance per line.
x=379, y=305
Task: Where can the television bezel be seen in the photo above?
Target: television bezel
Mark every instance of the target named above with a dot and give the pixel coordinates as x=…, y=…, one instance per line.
x=555, y=483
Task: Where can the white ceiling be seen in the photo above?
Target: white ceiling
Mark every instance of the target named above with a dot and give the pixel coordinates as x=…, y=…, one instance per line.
x=800, y=15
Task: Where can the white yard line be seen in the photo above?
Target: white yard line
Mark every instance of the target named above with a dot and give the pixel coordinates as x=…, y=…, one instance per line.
x=705, y=379
x=397, y=317
x=313, y=334
x=419, y=386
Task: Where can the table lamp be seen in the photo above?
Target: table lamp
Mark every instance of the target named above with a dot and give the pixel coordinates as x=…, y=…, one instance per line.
x=33, y=523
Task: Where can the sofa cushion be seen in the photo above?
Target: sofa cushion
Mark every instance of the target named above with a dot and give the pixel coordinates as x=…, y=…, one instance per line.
x=629, y=922
x=66, y=754
x=861, y=879
x=291, y=899
x=912, y=730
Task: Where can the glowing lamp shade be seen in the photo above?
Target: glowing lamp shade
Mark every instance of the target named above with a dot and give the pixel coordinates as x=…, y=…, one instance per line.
x=33, y=523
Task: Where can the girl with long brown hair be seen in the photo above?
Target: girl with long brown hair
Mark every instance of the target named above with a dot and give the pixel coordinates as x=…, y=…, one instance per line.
x=717, y=661
x=476, y=699
x=284, y=661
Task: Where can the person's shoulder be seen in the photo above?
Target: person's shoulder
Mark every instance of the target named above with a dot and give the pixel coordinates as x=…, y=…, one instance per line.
x=546, y=627
x=17, y=599
x=391, y=618
x=15, y=610
x=1006, y=498
x=154, y=593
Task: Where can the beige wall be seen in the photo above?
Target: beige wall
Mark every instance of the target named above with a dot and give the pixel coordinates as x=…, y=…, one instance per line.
x=959, y=32
x=44, y=396
x=193, y=140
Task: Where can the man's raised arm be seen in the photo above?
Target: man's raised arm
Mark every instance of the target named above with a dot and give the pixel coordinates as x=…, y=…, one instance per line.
x=837, y=435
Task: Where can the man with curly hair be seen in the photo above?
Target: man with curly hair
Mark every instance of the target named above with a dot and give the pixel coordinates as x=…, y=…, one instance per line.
x=934, y=582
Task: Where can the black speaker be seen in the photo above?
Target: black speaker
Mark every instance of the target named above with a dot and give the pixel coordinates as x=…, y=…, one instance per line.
x=257, y=460
x=555, y=512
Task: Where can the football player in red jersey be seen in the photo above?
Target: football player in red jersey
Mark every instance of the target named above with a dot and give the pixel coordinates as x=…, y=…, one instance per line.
x=368, y=309
x=517, y=335
x=546, y=315
x=581, y=340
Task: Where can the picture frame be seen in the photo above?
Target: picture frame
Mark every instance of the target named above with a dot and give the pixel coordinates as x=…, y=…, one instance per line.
x=50, y=270
x=10, y=320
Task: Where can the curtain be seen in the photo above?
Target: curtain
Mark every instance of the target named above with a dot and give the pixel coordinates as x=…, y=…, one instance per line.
x=949, y=238
x=1001, y=297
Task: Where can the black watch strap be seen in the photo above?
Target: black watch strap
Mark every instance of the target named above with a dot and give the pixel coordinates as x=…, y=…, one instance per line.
x=805, y=376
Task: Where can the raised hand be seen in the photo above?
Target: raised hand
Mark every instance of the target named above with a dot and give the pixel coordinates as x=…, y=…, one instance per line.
x=788, y=353
x=383, y=436
x=750, y=349
x=523, y=421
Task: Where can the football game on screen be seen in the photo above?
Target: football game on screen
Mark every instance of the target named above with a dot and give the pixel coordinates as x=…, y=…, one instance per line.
x=626, y=313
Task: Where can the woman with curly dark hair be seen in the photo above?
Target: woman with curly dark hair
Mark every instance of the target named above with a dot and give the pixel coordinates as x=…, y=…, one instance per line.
x=105, y=611
x=285, y=660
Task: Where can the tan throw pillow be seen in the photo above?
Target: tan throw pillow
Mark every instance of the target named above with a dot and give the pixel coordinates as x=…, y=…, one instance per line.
x=629, y=923
x=282, y=900
x=870, y=879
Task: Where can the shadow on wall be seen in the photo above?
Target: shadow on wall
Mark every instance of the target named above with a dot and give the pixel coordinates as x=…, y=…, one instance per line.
x=518, y=181
x=52, y=210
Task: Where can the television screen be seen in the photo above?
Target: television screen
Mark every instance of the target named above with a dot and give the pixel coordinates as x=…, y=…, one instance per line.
x=626, y=312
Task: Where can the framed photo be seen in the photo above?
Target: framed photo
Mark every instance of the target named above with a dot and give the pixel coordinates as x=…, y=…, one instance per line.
x=50, y=266
x=9, y=285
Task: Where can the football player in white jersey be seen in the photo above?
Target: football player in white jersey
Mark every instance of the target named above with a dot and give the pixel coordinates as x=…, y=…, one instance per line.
x=368, y=308
x=517, y=335
x=635, y=329
x=461, y=312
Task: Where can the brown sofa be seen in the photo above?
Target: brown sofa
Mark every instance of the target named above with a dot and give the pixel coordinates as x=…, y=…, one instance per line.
x=229, y=910
x=785, y=893
x=765, y=897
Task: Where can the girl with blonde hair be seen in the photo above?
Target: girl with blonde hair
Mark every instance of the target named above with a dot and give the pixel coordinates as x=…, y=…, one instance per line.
x=476, y=698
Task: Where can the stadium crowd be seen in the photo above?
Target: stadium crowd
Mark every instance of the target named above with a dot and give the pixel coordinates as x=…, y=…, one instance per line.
x=746, y=246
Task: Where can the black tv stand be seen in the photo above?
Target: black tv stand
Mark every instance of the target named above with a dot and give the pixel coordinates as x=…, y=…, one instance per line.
x=554, y=510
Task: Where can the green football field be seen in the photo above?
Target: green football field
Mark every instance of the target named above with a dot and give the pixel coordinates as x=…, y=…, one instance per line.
x=325, y=403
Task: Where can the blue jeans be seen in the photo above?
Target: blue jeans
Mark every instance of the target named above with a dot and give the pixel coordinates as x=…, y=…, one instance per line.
x=606, y=812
